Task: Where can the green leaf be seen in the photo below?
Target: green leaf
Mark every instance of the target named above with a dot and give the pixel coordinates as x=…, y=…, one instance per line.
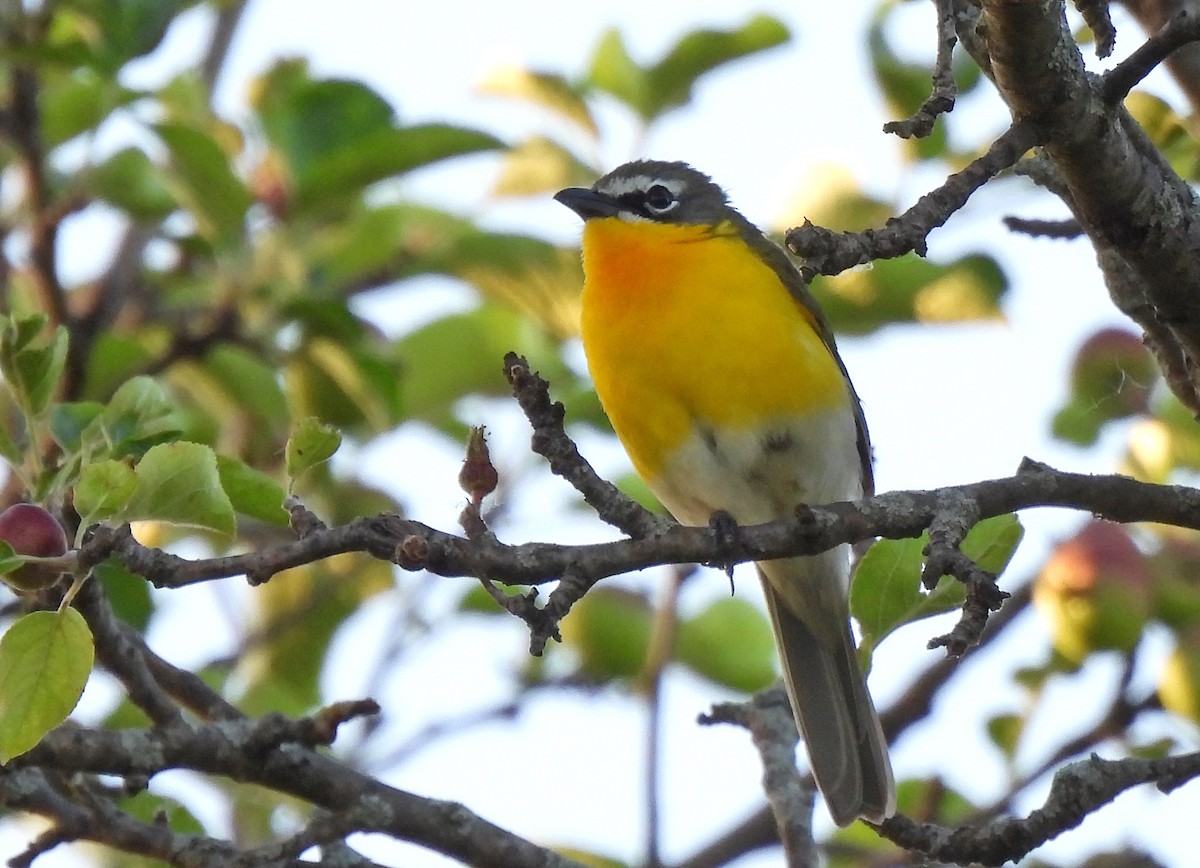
x=45, y=660
x=121, y=30
x=9, y=449
x=931, y=798
x=40, y=369
x=1167, y=130
x=203, y=179
x=912, y=289
x=179, y=483
x=116, y=358
x=312, y=443
x=385, y=154
x=77, y=102
x=886, y=592
x=307, y=120
x=885, y=588
x=160, y=812
x=992, y=543
x=590, y=859
x=128, y=180
x=252, y=492
x=351, y=385
x=338, y=136
x=252, y=381
x=9, y=559
x=140, y=414
x=104, y=490
x=905, y=86
x=667, y=84
x=548, y=90
x=31, y=363
x=1005, y=731
x=69, y=421
x=616, y=73
x=609, y=628
x=478, y=601
x=21, y=331
x=700, y=51
x=128, y=593
x=529, y=274
x=461, y=354
x=731, y=644
x=630, y=484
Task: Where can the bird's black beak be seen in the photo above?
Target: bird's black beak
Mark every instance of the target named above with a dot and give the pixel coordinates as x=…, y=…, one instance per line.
x=588, y=203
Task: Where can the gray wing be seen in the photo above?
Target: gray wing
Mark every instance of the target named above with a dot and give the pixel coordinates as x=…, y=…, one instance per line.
x=782, y=265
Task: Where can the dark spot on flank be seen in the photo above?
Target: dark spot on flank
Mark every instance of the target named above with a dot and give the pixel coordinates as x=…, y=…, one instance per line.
x=778, y=441
x=709, y=438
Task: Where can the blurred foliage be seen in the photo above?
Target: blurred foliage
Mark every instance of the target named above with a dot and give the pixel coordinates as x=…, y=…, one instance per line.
x=220, y=359
x=1112, y=378
x=1102, y=587
x=1094, y=592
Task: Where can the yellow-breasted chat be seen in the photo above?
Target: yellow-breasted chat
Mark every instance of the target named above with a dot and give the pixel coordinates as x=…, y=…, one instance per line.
x=722, y=380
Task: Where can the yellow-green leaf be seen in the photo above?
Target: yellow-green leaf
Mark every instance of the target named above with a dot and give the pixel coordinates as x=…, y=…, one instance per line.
x=104, y=489
x=540, y=165
x=548, y=90
x=45, y=660
x=730, y=642
x=886, y=592
x=312, y=442
x=204, y=180
x=252, y=492
x=179, y=483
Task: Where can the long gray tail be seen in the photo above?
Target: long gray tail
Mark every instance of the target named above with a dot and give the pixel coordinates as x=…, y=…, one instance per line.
x=834, y=711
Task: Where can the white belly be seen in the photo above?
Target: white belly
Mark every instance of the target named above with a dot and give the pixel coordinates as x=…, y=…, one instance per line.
x=760, y=475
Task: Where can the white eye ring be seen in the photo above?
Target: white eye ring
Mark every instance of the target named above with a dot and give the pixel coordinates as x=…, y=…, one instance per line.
x=660, y=200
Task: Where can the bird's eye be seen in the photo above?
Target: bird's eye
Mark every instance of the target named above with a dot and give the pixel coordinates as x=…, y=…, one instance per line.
x=660, y=200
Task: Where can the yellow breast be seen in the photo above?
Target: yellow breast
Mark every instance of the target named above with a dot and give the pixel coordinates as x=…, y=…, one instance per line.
x=685, y=325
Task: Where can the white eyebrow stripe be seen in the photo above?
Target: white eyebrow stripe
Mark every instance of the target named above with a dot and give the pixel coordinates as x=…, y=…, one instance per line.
x=617, y=187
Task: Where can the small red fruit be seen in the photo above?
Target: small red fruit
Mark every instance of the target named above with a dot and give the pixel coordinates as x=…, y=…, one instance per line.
x=1095, y=592
x=30, y=530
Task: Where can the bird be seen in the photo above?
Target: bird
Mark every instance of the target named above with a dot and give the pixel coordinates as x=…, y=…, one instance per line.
x=722, y=380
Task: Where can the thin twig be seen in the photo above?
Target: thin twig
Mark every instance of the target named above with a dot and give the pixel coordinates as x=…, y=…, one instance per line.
x=944, y=89
x=827, y=252
x=1116, y=84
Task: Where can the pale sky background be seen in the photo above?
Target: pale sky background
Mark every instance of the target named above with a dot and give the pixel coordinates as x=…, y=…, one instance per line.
x=945, y=406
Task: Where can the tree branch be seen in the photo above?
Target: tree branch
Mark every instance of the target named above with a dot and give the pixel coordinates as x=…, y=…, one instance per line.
x=894, y=515
x=276, y=752
x=550, y=440
x=1184, y=63
x=1077, y=790
x=759, y=830
x=768, y=717
x=1124, y=194
x=1096, y=15
x=941, y=98
x=827, y=252
x=1177, y=32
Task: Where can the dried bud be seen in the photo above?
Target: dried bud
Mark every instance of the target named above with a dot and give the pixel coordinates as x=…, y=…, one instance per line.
x=478, y=476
